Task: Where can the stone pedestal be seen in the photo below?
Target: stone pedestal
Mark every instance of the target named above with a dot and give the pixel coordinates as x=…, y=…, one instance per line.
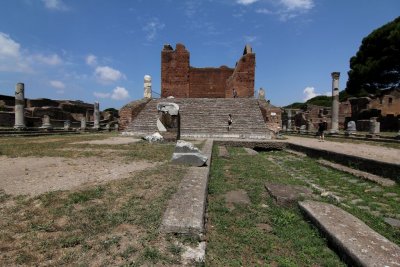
x=374, y=127
x=67, y=125
x=335, y=103
x=83, y=124
x=46, y=125
x=19, y=106
x=96, y=116
x=147, y=86
x=351, y=128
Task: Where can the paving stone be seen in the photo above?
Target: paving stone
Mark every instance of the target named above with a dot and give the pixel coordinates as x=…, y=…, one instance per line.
x=393, y=222
x=356, y=201
x=223, y=152
x=285, y=195
x=353, y=181
x=362, y=245
x=265, y=227
x=374, y=189
x=364, y=208
x=390, y=195
x=250, y=151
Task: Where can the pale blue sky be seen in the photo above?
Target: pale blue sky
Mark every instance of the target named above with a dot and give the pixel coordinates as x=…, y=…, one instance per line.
x=99, y=50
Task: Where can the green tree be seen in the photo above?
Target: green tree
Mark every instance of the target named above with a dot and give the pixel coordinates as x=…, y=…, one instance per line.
x=377, y=63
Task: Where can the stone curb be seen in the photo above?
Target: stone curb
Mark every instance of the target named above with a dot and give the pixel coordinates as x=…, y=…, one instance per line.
x=359, y=244
x=185, y=212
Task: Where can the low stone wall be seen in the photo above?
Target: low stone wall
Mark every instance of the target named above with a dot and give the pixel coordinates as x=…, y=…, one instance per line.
x=380, y=168
x=129, y=112
x=262, y=145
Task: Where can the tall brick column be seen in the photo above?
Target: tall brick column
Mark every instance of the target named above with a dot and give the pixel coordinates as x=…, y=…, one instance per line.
x=335, y=103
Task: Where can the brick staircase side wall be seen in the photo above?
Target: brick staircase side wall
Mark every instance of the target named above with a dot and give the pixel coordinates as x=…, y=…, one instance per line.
x=130, y=111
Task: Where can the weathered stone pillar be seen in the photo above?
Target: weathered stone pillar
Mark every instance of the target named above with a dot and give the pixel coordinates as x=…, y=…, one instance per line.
x=289, y=120
x=147, y=86
x=19, y=106
x=83, y=123
x=96, y=116
x=335, y=103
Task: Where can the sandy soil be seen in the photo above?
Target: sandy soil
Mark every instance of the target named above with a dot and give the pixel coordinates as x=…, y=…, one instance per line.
x=111, y=141
x=34, y=176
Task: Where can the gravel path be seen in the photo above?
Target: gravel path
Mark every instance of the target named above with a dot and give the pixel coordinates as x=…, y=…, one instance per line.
x=378, y=153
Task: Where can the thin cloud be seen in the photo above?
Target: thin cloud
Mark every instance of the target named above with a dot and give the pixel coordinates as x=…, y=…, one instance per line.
x=120, y=93
x=152, y=28
x=11, y=57
x=246, y=2
x=55, y=5
x=51, y=60
x=57, y=84
x=107, y=74
x=249, y=39
x=264, y=11
x=309, y=92
x=91, y=60
x=298, y=4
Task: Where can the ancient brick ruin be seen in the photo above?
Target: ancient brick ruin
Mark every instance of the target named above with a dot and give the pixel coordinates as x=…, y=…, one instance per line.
x=179, y=79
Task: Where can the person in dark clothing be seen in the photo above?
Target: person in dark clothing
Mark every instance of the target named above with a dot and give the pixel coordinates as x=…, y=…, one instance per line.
x=229, y=122
x=235, y=95
x=321, y=128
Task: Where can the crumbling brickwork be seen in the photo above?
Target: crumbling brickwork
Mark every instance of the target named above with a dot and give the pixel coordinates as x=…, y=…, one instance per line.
x=179, y=79
x=129, y=112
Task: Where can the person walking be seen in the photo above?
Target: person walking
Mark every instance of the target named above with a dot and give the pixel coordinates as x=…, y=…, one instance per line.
x=229, y=122
x=321, y=128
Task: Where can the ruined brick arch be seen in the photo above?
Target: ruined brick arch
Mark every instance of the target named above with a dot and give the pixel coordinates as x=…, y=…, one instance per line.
x=179, y=79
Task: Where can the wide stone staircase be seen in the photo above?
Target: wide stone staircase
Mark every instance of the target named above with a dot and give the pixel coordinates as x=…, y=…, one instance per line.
x=207, y=117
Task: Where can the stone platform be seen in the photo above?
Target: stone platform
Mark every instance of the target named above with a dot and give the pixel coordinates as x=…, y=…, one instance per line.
x=359, y=244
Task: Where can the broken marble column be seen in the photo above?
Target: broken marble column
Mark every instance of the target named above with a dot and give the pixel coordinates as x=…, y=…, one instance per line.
x=187, y=154
x=261, y=94
x=147, y=86
x=351, y=128
x=96, y=116
x=46, y=125
x=116, y=127
x=335, y=103
x=19, y=106
x=67, y=125
x=83, y=123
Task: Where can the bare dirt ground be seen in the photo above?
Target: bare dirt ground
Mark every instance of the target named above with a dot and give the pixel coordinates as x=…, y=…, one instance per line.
x=111, y=141
x=34, y=176
x=378, y=153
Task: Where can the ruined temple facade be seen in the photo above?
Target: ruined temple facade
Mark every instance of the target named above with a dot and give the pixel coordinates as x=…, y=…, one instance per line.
x=180, y=80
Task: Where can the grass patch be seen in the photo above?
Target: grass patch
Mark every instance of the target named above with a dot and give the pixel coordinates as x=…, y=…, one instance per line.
x=235, y=236
x=112, y=224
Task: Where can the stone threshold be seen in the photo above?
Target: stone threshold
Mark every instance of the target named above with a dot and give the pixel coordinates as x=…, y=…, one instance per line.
x=185, y=212
x=357, y=243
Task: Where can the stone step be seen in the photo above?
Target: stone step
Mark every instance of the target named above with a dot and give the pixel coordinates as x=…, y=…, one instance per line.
x=361, y=245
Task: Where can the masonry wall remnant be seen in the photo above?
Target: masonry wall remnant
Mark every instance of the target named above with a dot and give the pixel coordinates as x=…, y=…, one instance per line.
x=180, y=80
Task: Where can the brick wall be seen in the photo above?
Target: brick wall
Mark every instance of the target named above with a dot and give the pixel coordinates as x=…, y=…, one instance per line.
x=209, y=82
x=129, y=112
x=180, y=80
x=242, y=78
x=175, y=69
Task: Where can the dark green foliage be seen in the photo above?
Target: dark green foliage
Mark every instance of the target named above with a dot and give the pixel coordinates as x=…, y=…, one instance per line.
x=113, y=111
x=377, y=63
x=320, y=100
x=297, y=105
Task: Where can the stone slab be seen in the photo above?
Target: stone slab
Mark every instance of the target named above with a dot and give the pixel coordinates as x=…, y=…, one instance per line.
x=286, y=195
x=361, y=245
x=364, y=175
x=186, y=209
x=191, y=159
x=223, y=152
x=251, y=151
